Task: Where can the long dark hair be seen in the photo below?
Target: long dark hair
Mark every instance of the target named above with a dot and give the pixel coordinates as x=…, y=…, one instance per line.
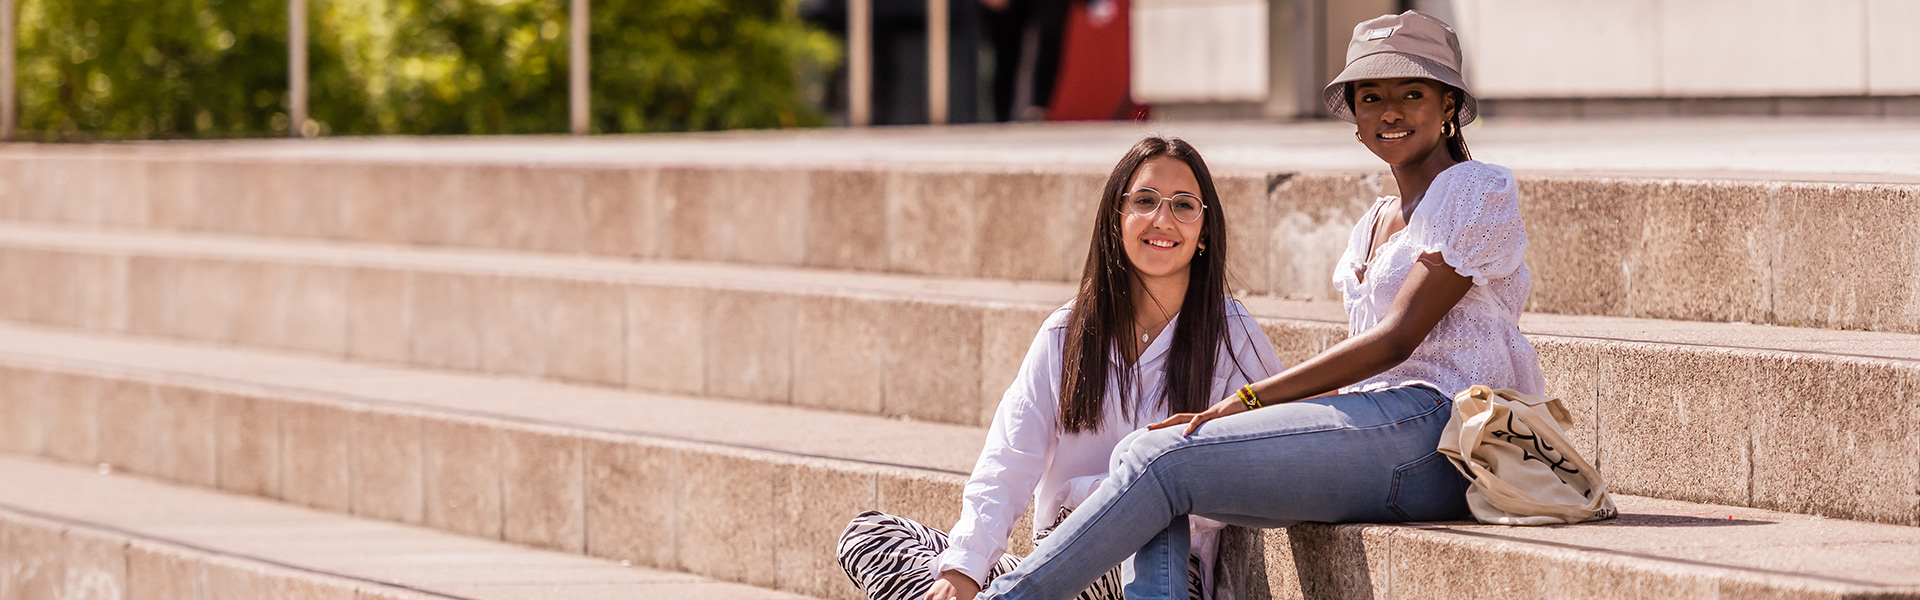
x=1103, y=309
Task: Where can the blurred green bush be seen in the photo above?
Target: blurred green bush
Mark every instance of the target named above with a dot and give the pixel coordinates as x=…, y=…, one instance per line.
x=114, y=69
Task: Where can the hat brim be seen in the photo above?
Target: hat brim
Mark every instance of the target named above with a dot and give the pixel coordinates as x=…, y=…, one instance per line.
x=1394, y=65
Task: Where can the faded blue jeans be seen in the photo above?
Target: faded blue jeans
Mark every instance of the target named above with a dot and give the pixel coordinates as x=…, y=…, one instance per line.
x=1361, y=457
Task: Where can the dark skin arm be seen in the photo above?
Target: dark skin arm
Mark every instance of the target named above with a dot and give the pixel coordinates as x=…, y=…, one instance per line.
x=1431, y=289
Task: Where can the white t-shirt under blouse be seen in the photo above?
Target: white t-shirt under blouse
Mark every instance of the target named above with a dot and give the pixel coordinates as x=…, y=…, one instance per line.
x=1471, y=216
x=1028, y=457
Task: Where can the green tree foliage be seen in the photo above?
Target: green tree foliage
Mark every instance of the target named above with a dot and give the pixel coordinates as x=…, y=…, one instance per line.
x=218, y=68
x=675, y=65
x=133, y=68
x=439, y=66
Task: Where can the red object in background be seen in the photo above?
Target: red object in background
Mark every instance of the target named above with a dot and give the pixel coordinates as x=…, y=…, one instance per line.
x=1095, y=65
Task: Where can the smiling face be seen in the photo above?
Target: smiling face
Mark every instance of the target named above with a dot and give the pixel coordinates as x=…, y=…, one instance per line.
x=1158, y=244
x=1400, y=119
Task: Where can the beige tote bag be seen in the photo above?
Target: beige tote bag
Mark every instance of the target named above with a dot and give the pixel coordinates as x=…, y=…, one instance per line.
x=1513, y=448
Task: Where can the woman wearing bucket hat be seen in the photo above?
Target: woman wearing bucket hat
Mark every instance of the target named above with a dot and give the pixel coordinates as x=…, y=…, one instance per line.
x=1433, y=285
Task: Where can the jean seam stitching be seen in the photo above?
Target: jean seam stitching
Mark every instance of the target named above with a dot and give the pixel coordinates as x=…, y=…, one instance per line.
x=1166, y=571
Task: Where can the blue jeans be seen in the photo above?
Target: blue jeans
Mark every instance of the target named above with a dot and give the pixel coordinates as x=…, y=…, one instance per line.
x=1362, y=457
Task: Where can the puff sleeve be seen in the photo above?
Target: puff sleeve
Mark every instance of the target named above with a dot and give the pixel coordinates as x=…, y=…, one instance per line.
x=1472, y=218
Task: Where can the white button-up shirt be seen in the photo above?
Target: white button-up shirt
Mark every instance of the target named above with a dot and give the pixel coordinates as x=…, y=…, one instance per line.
x=1028, y=456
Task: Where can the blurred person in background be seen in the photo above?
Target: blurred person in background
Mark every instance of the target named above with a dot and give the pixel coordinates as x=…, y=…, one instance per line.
x=1025, y=36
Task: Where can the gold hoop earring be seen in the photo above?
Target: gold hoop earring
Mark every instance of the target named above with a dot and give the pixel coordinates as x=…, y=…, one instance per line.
x=1356, y=137
x=1448, y=129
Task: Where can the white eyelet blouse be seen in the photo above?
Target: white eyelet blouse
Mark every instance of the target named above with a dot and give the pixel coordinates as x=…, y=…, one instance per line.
x=1471, y=216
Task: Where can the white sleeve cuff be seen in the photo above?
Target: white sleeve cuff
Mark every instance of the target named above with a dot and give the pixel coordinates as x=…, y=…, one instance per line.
x=959, y=559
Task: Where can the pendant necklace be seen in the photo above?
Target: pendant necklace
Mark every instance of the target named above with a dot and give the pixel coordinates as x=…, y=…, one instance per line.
x=1145, y=336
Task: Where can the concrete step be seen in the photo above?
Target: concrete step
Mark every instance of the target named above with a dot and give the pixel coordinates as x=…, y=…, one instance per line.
x=735, y=491
x=1774, y=248
x=67, y=531
x=751, y=493
x=1706, y=412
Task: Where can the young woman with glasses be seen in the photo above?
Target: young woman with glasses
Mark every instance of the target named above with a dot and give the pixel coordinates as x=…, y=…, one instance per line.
x=1151, y=332
x=1433, y=284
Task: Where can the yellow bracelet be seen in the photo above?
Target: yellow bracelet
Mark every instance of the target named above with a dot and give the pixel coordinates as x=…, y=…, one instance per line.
x=1248, y=398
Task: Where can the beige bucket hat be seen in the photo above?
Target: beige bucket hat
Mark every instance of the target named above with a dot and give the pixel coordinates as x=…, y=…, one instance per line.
x=1409, y=44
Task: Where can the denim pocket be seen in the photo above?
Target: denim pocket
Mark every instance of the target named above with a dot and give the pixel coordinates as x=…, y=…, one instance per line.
x=1428, y=489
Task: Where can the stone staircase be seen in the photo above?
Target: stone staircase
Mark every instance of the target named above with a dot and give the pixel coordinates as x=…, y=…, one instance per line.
x=347, y=370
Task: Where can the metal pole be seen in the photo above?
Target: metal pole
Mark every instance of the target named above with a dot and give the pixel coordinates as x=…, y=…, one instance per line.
x=860, y=62
x=938, y=31
x=297, y=68
x=7, y=106
x=577, y=66
x=1311, y=75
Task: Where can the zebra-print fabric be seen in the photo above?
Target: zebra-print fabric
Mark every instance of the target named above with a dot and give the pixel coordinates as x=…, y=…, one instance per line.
x=891, y=558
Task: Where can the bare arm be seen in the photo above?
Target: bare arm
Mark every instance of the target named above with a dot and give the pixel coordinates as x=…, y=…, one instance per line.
x=1431, y=289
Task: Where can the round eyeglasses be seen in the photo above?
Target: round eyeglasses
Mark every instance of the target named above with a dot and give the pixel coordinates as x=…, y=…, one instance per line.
x=1144, y=202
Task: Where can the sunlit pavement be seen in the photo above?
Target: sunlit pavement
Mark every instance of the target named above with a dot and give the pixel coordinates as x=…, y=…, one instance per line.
x=1805, y=148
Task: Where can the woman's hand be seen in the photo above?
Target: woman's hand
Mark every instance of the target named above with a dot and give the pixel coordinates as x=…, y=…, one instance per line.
x=953, y=585
x=1230, y=406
